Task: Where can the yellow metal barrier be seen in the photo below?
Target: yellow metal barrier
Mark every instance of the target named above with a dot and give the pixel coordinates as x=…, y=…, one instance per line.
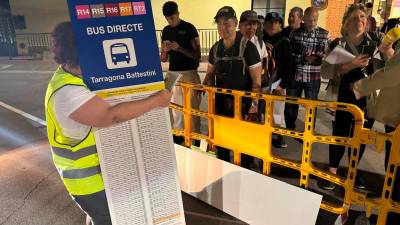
x=255, y=139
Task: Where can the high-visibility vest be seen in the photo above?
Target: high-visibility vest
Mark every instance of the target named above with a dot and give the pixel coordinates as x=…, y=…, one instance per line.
x=76, y=162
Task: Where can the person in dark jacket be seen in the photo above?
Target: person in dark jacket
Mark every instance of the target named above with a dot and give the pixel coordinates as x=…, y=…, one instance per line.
x=284, y=71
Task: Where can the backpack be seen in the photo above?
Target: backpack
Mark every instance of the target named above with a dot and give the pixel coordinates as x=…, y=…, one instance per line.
x=240, y=56
x=271, y=65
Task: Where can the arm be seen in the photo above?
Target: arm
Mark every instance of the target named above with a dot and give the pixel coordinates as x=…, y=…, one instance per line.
x=252, y=58
x=287, y=67
x=164, y=52
x=387, y=51
x=98, y=113
x=335, y=72
x=386, y=77
x=316, y=57
x=164, y=47
x=194, y=54
x=209, y=80
x=255, y=74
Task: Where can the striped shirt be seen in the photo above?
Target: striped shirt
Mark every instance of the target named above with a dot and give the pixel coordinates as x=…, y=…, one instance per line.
x=315, y=43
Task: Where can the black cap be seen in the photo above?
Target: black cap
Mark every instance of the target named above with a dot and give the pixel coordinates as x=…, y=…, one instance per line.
x=225, y=11
x=248, y=15
x=273, y=16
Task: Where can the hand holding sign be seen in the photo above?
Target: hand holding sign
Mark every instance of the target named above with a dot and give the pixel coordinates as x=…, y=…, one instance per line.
x=391, y=36
x=162, y=98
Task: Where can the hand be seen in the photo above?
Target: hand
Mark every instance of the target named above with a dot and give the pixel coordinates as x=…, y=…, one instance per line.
x=162, y=98
x=253, y=109
x=165, y=48
x=174, y=46
x=253, y=117
x=206, y=82
x=360, y=61
x=310, y=58
x=279, y=91
x=386, y=50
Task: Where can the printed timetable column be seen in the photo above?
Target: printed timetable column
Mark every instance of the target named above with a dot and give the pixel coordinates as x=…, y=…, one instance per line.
x=122, y=180
x=159, y=166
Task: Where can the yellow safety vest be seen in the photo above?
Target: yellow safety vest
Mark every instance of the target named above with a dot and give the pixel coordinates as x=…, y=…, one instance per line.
x=77, y=163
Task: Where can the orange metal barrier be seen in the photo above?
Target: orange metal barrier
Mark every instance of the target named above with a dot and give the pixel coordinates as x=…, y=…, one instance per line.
x=255, y=139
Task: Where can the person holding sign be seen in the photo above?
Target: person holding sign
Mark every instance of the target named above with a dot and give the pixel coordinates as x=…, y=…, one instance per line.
x=387, y=106
x=181, y=45
x=72, y=111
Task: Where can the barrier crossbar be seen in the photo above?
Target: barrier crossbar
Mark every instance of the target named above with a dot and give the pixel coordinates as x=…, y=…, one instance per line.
x=255, y=139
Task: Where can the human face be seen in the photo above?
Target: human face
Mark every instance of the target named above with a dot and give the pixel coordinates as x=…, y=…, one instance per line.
x=369, y=11
x=273, y=27
x=311, y=21
x=248, y=28
x=294, y=20
x=173, y=20
x=260, y=24
x=357, y=22
x=226, y=27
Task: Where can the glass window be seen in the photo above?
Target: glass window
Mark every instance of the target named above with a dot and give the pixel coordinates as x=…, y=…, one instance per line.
x=259, y=3
x=263, y=7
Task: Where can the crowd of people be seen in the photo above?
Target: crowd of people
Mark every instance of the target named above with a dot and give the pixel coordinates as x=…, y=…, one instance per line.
x=257, y=53
x=254, y=53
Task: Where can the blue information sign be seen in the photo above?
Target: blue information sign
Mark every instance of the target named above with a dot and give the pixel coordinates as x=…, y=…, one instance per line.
x=117, y=43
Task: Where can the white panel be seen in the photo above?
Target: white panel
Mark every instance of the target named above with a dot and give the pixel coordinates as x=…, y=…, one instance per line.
x=251, y=197
x=139, y=170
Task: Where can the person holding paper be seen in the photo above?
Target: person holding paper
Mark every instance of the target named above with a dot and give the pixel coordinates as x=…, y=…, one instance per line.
x=72, y=111
x=356, y=40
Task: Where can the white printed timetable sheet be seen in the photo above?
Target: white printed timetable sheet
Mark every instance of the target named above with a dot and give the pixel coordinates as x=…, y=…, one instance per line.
x=139, y=168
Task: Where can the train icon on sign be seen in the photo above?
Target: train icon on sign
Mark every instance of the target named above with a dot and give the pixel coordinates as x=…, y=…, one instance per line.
x=119, y=53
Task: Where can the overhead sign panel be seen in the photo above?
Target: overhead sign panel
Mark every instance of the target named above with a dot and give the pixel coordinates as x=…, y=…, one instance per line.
x=116, y=42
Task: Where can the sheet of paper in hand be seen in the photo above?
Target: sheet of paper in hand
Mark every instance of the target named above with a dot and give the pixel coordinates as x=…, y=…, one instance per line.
x=339, y=55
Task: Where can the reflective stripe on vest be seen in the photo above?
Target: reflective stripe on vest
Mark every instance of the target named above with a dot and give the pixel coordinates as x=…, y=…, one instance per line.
x=66, y=153
x=80, y=173
x=77, y=163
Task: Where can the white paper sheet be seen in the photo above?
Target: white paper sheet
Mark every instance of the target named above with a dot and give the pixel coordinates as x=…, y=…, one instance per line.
x=251, y=197
x=275, y=84
x=339, y=56
x=139, y=169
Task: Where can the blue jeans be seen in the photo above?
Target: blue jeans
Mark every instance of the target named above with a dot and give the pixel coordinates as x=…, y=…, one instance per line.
x=295, y=89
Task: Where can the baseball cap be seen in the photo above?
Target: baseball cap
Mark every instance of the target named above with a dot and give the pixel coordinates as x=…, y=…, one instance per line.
x=225, y=11
x=273, y=16
x=248, y=15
